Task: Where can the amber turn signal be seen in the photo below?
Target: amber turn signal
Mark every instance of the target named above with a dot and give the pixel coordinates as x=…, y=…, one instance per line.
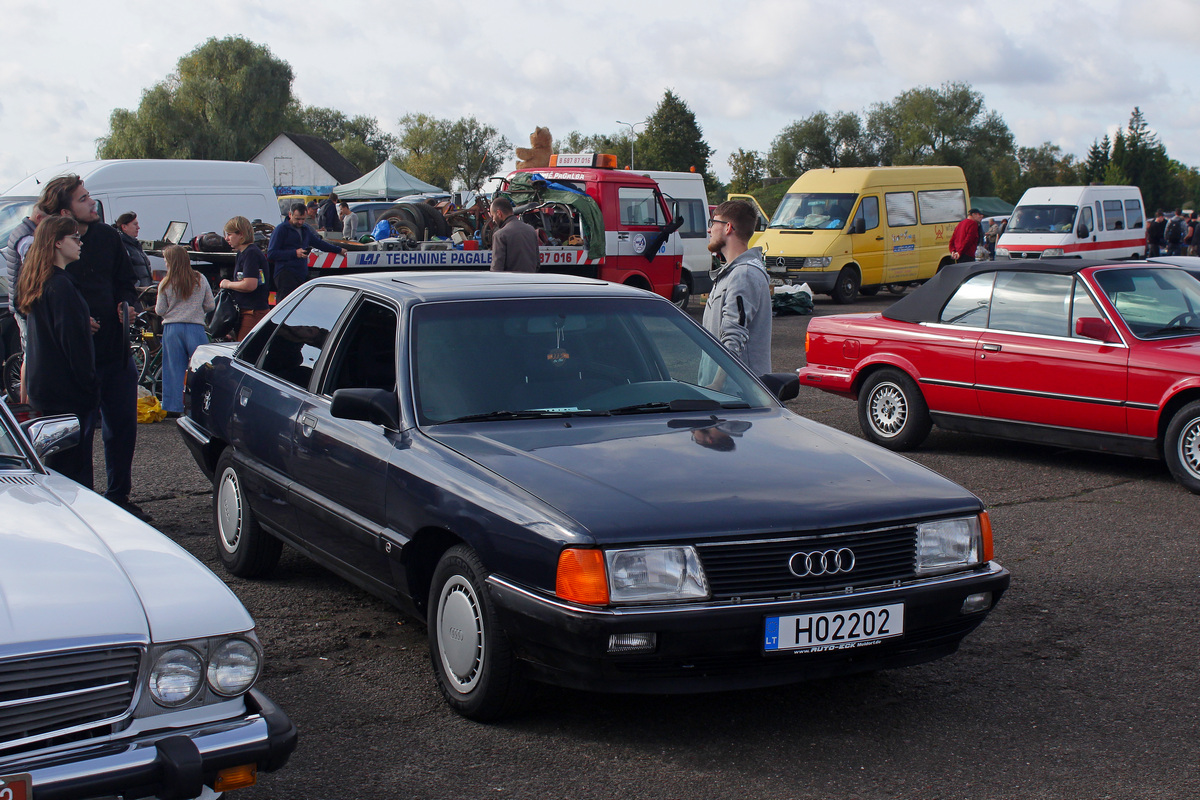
x=236, y=778
x=581, y=577
x=985, y=530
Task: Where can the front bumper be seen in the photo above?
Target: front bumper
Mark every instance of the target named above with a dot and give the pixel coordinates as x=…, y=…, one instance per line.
x=718, y=646
x=173, y=763
x=820, y=281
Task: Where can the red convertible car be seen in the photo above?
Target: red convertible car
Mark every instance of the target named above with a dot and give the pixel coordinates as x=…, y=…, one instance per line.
x=1093, y=355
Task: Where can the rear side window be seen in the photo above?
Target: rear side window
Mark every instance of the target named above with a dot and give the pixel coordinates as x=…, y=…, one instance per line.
x=901, y=209
x=942, y=205
x=1114, y=215
x=1133, y=214
x=300, y=339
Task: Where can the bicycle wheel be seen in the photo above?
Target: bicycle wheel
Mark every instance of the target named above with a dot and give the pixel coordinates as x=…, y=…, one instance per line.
x=141, y=357
x=12, y=377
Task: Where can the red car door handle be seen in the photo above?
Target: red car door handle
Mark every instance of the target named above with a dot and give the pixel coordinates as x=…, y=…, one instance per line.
x=995, y=348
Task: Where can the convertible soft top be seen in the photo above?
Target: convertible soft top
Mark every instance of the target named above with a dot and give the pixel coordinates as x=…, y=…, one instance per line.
x=926, y=303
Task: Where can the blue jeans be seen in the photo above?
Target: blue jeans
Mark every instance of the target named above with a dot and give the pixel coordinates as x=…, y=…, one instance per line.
x=118, y=425
x=180, y=340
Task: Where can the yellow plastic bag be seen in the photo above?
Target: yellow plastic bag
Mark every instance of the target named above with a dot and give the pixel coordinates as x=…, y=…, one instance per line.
x=148, y=407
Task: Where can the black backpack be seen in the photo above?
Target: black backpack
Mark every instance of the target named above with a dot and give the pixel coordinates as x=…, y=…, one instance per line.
x=1175, y=229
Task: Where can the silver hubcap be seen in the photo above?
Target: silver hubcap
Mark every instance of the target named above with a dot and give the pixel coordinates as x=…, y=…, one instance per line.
x=887, y=409
x=229, y=512
x=460, y=634
x=1189, y=448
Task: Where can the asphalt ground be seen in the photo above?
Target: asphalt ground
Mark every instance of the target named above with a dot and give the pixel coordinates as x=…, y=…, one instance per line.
x=1081, y=684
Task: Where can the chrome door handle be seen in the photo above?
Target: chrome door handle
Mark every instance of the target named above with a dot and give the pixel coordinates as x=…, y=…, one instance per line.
x=995, y=348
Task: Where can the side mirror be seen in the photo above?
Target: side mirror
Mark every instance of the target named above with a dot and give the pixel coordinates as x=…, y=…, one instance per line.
x=50, y=435
x=1083, y=232
x=1096, y=328
x=377, y=406
x=784, y=385
x=858, y=226
x=762, y=224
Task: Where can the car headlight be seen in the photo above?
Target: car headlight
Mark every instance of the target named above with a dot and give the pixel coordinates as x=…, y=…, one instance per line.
x=817, y=263
x=233, y=667
x=1002, y=252
x=1052, y=252
x=176, y=676
x=950, y=544
x=650, y=574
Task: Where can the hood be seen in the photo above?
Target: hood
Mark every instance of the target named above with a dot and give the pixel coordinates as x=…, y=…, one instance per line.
x=76, y=567
x=776, y=242
x=647, y=477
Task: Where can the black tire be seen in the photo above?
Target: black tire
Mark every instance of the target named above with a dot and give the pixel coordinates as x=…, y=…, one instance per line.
x=687, y=291
x=435, y=221
x=892, y=411
x=406, y=223
x=245, y=549
x=472, y=659
x=896, y=288
x=12, y=377
x=1181, y=446
x=845, y=291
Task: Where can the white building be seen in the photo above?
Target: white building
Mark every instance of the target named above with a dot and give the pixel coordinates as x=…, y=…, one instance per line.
x=301, y=164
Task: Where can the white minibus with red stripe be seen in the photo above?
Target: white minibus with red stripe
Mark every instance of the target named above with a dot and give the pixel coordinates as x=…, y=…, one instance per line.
x=1076, y=222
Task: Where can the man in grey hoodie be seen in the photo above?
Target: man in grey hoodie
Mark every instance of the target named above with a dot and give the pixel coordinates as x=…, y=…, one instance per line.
x=738, y=311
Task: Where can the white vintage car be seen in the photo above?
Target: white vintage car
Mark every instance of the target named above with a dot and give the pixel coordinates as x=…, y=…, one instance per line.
x=126, y=666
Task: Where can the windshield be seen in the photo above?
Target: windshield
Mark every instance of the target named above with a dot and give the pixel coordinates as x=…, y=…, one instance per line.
x=814, y=211
x=1154, y=303
x=506, y=359
x=12, y=211
x=1042, y=219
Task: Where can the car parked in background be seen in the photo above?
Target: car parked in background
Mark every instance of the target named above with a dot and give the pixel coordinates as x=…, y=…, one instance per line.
x=126, y=666
x=513, y=459
x=1093, y=355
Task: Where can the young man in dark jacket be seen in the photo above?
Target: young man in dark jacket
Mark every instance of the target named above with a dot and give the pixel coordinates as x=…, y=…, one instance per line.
x=104, y=276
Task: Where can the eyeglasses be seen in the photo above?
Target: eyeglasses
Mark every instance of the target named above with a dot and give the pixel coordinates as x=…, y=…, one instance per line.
x=715, y=221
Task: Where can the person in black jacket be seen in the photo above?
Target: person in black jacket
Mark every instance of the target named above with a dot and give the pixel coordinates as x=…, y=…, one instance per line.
x=327, y=216
x=60, y=363
x=128, y=226
x=104, y=276
x=1155, y=234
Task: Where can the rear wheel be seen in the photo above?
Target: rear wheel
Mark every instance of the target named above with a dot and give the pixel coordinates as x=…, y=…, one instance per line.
x=12, y=377
x=472, y=659
x=845, y=291
x=892, y=411
x=245, y=549
x=1181, y=446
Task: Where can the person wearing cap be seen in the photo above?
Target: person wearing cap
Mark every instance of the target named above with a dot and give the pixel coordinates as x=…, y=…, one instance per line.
x=965, y=240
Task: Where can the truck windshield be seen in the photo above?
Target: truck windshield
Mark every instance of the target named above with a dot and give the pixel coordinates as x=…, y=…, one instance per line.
x=814, y=211
x=12, y=211
x=1042, y=219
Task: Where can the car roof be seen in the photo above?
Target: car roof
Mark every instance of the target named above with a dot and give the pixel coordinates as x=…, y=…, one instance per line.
x=475, y=285
x=927, y=301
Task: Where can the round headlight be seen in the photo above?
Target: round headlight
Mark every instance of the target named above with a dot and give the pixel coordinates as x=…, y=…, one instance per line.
x=176, y=677
x=233, y=667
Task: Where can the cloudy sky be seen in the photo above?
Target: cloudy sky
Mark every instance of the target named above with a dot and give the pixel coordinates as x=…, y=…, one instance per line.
x=1065, y=72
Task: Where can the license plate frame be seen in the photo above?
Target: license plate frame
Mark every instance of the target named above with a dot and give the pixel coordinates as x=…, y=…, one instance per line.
x=838, y=629
x=16, y=787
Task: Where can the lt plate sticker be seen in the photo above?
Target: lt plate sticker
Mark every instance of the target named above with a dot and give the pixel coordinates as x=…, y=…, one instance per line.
x=834, y=630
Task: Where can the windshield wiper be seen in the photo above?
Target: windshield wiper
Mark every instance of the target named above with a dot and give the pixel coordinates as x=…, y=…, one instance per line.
x=527, y=414
x=1174, y=329
x=682, y=404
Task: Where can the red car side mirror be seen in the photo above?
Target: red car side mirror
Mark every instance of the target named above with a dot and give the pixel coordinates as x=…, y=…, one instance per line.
x=1096, y=328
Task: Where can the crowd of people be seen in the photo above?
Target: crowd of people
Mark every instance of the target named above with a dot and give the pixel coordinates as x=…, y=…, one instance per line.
x=1173, y=236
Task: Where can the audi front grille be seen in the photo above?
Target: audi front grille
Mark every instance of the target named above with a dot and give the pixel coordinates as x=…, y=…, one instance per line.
x=50, y=696
x=763, y=568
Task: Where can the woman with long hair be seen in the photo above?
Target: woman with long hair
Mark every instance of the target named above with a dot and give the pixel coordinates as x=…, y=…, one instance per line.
x=183, y=298
x=60, y=363
x=249, y=283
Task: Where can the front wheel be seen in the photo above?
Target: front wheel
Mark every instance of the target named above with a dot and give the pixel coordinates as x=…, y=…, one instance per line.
x=472, y=659
x=682, y=303
x=845, y=291
x=245, y=549
x=1181, y=447
x=892, y=411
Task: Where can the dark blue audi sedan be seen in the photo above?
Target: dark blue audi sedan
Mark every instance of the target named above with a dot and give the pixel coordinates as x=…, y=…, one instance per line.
x=570, y=481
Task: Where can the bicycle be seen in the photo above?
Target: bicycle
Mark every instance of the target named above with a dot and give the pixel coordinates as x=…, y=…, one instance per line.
x=145, y=348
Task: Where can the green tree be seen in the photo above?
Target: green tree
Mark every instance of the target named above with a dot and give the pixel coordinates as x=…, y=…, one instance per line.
x=227, y=99
x=674, y=141
x=748, y=168
x=1046, y=165
x=949, y=125
x=358, y=138
x=1141, y=157
x=615, y=143
x=1097, y=160
x=820, y=140
x=447, y=153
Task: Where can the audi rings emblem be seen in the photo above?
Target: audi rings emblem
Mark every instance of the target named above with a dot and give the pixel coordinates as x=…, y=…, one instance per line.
x=821, y=562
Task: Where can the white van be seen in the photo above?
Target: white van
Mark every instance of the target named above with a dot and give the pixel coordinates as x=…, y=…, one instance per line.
x=1077, y=222
x=204, y=194
x=687, y=188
